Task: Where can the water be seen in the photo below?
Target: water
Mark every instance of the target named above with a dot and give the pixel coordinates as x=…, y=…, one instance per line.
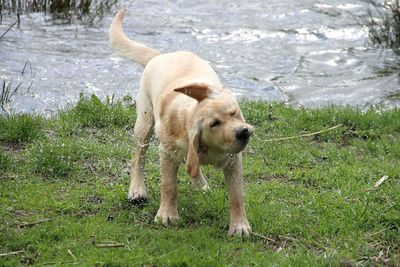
x=308, y=53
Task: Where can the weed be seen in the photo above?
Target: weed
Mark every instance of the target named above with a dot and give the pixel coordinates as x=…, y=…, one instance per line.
x=21, y=128
x=7, y=91
x=384, y=31
x=91, y=112
x=55, y=159
x=257, y=113
x=5, y=161
x=90, y=12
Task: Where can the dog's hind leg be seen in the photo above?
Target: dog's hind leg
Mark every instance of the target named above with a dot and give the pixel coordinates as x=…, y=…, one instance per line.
x=142, y=133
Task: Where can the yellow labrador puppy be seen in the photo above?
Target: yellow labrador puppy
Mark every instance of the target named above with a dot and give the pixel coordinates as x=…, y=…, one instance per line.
x=195, y=119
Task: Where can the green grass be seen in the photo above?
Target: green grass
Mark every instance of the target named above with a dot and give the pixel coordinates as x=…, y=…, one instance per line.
x=5, y=161
x=19, y=129
x=311, y=201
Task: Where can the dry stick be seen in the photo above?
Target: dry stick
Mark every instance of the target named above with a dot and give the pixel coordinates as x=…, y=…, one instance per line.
x=303, y=135
x=377, y=184
x=9, y=28
x=112, y=245
x=381, y=231
x=72, y=254
x=26, y=64
x=34, y=223
x=12, y=253
x=287, y=237
x=30, y=84
x=263, y=237
x=61, y=263
x=93, y=171
x=273, y=240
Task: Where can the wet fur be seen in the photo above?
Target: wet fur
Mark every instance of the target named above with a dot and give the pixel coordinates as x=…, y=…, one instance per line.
x=180, y=98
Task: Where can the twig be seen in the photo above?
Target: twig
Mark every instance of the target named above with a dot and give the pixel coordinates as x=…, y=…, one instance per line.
x=287, y=237
x=273, y=240
x=381, y=231
x=263, y=237
x=72, y=254
x=34, y=223
x=9, y=28
x=303, y=135
x=111, y=245
x=16, y=88
x=30, y=84
x=378, y=183
x=93, y=171
x=18, y=18
x=61, y=263
x=12, y=253
x=26, y=64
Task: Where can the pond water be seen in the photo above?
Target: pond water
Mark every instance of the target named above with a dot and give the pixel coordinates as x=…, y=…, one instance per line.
x=307, y=53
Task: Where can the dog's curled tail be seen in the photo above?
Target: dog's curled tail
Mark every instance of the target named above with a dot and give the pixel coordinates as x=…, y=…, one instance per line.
x=127, y=48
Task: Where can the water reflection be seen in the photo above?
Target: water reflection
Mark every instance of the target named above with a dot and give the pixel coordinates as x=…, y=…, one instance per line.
x=306, y=52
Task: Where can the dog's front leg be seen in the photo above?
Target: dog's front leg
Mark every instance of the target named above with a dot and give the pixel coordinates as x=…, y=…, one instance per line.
x=233, y=172
x=168, y=212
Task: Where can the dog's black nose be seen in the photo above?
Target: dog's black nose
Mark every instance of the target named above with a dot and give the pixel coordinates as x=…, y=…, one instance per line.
x=243, y=134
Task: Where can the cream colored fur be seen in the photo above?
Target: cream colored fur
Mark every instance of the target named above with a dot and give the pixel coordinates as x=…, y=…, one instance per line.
x=196, y=120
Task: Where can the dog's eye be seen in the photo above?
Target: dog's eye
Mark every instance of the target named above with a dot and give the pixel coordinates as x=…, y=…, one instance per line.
x=215, y=123
x=233, y=113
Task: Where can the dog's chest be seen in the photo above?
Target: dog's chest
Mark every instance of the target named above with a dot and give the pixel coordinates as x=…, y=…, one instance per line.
x=177, y=149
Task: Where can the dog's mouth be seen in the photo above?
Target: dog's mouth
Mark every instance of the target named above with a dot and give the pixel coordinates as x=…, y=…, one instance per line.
x=241, y=139
x=235, y=149
x=240, y=146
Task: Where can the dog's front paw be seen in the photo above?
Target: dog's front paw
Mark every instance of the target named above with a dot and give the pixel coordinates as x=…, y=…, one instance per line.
x=166, y=217
x=137, y=197
x=240, y=228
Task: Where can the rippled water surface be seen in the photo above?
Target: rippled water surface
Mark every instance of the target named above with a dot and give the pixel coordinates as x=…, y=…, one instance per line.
x=310, y=53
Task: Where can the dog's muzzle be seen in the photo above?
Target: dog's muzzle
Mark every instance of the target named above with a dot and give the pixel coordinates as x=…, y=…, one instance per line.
x=243, y=134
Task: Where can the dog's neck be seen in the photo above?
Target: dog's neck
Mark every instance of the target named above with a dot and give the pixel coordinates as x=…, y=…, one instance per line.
x=209, y=156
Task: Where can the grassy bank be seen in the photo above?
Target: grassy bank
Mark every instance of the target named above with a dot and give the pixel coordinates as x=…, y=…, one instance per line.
x=310, y=200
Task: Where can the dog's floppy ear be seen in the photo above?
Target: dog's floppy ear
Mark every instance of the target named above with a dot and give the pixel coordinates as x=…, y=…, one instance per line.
x=198, y=91
x=193, y=160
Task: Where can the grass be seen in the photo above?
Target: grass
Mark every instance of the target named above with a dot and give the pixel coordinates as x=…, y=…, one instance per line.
x=311, y=201
x=21, y=128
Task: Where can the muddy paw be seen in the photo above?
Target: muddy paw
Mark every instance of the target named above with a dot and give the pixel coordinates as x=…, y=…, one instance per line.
x=166, y=217
x=137, y=198
x=240, y=228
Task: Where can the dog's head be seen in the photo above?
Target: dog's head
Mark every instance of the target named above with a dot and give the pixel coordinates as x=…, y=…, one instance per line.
x=216, y=125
